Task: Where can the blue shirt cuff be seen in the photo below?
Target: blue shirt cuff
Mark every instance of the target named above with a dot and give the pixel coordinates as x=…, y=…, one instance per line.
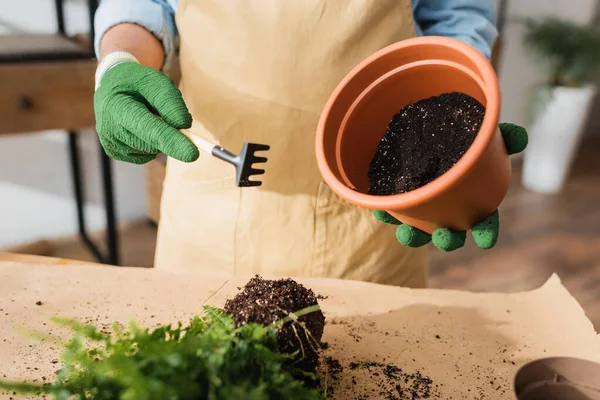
x=157, y=18
x=470, y=21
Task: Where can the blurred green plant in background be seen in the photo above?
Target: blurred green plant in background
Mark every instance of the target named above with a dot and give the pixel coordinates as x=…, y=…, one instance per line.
x=568, y=52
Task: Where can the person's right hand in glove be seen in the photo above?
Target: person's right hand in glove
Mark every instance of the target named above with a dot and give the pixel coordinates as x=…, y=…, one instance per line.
x=129, y=99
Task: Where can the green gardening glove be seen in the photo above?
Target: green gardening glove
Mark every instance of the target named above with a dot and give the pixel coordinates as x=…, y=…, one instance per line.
x=485, y=233
x=128, y=100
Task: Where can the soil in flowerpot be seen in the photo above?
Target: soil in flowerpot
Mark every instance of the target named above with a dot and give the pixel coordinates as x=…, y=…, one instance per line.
x=423, y=141
x=266, y=302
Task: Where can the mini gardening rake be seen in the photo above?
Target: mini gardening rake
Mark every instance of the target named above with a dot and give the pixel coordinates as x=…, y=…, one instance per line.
x=243, y=162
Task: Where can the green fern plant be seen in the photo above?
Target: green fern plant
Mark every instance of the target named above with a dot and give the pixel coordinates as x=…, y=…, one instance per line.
x=569, y=52
x=209, y=359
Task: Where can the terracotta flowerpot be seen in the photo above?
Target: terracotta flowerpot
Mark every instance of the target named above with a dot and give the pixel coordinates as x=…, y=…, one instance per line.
x=558, y=378
x=356, y=116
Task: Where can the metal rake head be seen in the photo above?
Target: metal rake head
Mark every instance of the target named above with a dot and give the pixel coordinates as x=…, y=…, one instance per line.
x=245, y=167
x=244, y=162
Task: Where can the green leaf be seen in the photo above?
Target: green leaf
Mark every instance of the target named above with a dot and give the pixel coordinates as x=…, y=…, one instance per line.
x=567, y=50
x=207, y=359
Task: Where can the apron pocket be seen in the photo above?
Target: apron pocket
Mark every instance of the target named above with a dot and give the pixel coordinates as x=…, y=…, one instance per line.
x=197, y=223
x=320, y=240
x=351, y=244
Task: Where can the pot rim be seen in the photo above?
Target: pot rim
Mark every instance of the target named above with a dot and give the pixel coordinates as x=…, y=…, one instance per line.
x=446, y=181
x=379, y=81
x=520, y=383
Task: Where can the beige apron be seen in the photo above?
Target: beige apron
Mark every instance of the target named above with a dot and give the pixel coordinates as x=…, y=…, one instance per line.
x=261, y=71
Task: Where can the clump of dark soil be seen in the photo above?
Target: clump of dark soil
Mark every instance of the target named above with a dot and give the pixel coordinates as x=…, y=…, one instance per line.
x=384, y=381
x=423, y=141
x=334, y=368
x=265, y=302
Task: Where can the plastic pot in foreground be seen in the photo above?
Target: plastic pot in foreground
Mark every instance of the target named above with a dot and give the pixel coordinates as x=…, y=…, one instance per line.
x=356, y=116
x=558, y=378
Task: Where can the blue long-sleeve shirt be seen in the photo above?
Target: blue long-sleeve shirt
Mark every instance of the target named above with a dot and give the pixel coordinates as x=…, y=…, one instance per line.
x=471, y=21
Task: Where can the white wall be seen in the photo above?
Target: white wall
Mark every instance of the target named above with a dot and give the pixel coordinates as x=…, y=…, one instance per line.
x=36, y=195
x=517, y=71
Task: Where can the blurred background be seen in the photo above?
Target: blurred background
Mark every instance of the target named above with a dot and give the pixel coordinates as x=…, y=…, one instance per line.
x=62, y=197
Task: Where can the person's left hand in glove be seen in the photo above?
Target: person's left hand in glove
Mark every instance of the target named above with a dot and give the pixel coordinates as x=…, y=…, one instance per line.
x=485, y=233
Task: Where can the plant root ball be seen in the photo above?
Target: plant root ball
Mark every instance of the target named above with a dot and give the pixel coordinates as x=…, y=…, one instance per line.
x=265, y=302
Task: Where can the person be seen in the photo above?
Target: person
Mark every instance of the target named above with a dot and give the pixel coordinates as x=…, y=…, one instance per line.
x=257, y=71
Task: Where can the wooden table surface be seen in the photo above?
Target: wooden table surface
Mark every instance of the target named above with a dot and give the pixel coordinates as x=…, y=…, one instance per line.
x=469, y=344
x=40, y=260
